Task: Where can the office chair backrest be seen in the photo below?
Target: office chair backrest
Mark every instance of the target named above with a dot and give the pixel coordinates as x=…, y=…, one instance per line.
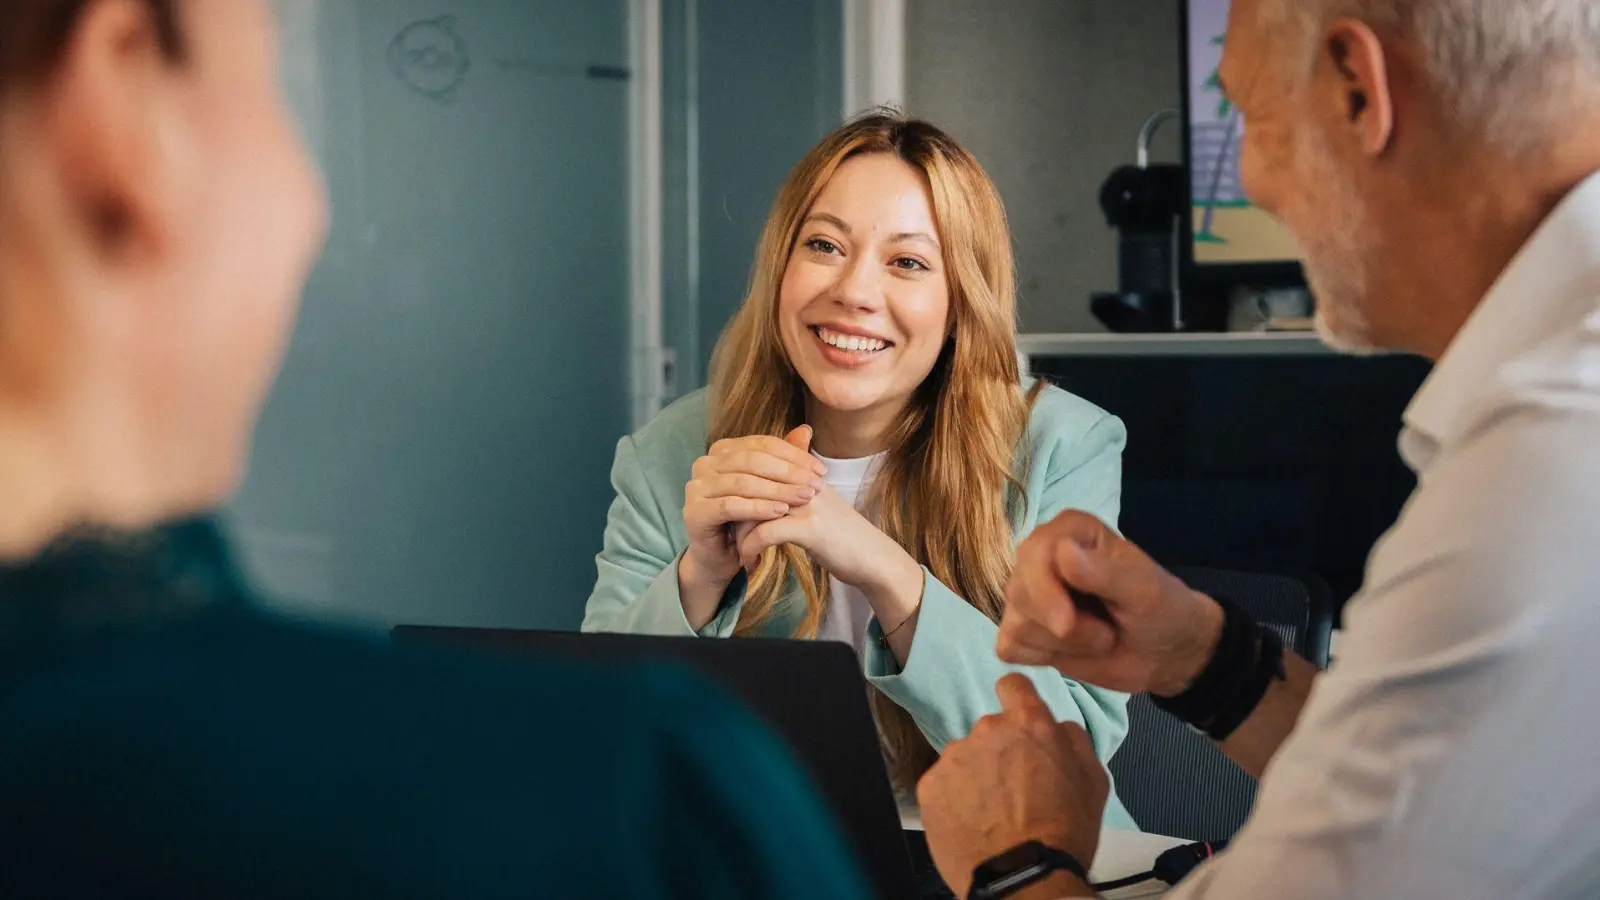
x=1176, y=782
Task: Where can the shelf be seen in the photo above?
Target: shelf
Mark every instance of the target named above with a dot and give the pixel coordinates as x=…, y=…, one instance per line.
x=1242, y=343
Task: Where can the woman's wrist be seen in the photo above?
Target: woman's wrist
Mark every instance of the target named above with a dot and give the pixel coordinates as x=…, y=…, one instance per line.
x=896, y=593
x=701, y=594
x=896, y=600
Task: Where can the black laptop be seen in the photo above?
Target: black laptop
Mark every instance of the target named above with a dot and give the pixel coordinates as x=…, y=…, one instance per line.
x=811, y=692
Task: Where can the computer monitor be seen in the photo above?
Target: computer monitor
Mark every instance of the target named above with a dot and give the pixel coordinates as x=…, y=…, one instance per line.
x=1227, y=240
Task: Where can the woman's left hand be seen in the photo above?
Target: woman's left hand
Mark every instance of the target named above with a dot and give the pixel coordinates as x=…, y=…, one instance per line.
x=852, y=549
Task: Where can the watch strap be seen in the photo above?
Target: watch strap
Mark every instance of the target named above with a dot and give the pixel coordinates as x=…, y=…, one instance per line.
x=1002, y=877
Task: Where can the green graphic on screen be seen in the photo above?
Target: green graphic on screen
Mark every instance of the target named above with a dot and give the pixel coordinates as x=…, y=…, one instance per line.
x=1228, y=228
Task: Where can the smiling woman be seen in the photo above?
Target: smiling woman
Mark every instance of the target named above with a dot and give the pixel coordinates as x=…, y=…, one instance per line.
x=864, y=306
x=867, y=455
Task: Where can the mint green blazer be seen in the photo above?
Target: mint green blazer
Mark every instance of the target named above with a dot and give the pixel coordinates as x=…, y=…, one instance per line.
x=948, y=681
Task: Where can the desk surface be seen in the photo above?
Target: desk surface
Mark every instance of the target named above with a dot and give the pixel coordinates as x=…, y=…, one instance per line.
x=1230, y=343
x=1122, y=853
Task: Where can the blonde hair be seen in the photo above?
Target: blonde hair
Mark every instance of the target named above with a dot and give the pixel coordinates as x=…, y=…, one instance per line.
x=948, y=490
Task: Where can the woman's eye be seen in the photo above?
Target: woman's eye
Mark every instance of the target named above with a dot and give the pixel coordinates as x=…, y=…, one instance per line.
x=909, y=264
x=822, y=245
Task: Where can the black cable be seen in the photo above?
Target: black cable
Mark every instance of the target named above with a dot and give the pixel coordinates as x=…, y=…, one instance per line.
x=1130, y=881
x=1170, y=867
x=1174, y=864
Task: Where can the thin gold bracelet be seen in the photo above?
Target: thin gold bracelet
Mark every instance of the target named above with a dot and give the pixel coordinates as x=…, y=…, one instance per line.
x=883, y=641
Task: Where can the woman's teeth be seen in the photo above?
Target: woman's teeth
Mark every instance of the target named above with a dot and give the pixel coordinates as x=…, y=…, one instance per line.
x=851, y=342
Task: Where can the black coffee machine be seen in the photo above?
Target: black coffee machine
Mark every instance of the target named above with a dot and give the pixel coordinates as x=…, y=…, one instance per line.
x=1145, y=203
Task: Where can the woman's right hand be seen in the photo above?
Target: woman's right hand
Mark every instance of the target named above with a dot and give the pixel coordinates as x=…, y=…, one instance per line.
x=739, y=481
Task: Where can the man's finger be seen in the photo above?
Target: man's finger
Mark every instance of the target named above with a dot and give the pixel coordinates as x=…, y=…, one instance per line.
x=1047, y=601
x=1018, y=653
x=1082, y=528
x=1095, y=637
x=1035, y=591
x=1042, y=621
x=1082, y=748
x=1078, y=738
x=1024, y=643
x=1018, y=696
x=1085, y=569
x=1111, y=572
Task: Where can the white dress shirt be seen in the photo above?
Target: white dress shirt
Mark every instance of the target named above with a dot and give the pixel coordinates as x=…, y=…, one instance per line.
x=1453, y=749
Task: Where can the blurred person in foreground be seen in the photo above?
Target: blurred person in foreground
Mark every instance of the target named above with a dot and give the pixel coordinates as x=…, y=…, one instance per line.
x=160, y=735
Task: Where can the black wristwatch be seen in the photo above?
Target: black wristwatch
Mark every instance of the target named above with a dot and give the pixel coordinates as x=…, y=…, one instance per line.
x=1019, y=867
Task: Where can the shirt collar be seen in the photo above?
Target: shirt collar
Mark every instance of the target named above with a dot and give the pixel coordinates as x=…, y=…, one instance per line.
x=1533, y=299
x=97, y=581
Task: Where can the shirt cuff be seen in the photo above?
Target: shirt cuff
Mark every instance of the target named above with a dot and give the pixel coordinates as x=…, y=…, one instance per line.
x=936, y=668
x=726, y=620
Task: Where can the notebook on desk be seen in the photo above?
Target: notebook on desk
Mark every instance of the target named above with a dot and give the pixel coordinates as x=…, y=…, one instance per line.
x=810, y=692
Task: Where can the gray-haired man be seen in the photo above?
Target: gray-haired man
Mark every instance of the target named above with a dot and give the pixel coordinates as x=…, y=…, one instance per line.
x=1437, y=160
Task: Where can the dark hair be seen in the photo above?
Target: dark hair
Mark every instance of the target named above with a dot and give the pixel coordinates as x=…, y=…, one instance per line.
x=36, y=34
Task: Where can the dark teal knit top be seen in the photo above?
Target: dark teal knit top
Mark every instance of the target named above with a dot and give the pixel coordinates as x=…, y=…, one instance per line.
x=163, y=736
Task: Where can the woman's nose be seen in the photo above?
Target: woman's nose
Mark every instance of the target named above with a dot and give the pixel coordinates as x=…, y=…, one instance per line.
x=860, y=287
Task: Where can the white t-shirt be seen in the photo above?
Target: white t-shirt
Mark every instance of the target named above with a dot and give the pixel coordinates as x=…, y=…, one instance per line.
x=848, y=611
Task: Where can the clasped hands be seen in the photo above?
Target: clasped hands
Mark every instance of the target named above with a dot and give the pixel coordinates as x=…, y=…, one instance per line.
x=749, y=494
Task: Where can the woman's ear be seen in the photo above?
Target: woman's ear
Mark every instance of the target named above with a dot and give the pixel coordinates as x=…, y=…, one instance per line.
x=115, y=122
